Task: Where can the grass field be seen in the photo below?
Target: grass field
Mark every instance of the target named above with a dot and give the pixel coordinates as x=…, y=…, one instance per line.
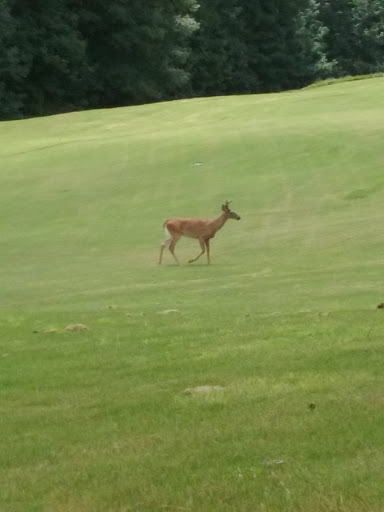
x=284, y=317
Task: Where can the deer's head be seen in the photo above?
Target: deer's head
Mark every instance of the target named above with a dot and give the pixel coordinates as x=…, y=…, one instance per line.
x=230, y=214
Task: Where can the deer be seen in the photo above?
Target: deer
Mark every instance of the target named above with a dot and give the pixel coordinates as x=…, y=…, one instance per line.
x=201, y=229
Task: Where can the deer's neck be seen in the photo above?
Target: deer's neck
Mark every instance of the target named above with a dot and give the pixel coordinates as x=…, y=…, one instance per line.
x=219, y=222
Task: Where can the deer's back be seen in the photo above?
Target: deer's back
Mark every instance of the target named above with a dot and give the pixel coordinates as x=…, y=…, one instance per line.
x=190, y=227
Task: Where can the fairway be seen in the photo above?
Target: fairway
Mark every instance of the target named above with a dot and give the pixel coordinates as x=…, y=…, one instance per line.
x=283, y=326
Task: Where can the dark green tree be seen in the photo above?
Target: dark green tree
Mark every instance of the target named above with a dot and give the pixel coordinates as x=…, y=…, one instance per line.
x=137, y=51
x=60, y=55
x=355, y=35
x=219, y=60
x=251, y=46
x=13, y=66
x=368, y=27
x=340, y=41
x=49, y=69
x=312, y=33
x=277, y=55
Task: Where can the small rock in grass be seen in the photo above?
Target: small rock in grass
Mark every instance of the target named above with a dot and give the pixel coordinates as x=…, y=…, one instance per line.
x=274, y=462
x=203, y=389
x=76, y=327
x=167, y=311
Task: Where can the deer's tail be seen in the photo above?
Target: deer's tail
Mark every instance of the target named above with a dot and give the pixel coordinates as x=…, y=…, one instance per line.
x=165, y=229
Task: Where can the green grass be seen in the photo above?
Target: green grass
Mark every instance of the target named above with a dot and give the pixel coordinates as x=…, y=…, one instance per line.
x=285, y=317
x=348, y=78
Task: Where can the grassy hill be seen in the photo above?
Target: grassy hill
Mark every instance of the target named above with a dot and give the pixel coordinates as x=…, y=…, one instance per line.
x=285, y=316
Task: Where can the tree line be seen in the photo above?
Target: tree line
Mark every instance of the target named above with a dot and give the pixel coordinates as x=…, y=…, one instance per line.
x=63, y=55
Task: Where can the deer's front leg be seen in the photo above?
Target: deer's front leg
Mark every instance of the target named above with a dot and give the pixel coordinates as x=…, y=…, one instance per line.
x=202, y=245
x=207, y=247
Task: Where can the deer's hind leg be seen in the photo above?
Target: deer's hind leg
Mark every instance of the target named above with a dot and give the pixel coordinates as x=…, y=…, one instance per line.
x=165, y=244
x=170, y=243
x=174, y=240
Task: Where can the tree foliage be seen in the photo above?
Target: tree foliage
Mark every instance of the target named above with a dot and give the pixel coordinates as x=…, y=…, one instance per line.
x=61, y=55
x=354, y=40
x=45, y=57
x=219, y=58
x=136, y=51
